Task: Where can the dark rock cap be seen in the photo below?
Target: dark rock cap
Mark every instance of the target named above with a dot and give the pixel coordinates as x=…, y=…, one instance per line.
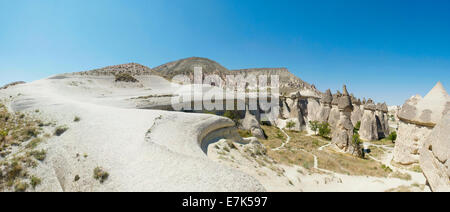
x=370, y=105
x=327, y=98
x=384, y=107
x=345, y=102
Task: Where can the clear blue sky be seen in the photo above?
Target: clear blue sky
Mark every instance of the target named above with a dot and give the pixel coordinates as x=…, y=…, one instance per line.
x=388, y=50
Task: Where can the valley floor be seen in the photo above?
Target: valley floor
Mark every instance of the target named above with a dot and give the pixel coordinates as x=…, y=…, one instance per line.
x=298, y=162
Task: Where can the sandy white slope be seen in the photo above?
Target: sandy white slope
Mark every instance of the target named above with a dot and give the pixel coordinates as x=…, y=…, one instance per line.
x=116, y=137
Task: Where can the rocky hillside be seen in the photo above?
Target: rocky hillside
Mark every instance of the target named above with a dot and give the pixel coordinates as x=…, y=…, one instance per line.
x=288, y=82
x=129, y=68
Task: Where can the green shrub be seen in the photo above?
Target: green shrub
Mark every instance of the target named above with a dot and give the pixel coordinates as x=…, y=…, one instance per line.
x=35, y=181
x=39, y=155
x=314, y=126
x=34, y=143
x=20, y=187
x=60, y=130
x=324, y=129
x=76, y=119
x=357, y=127
x=245, y=133
x=100, y=174
x=392, y=136
x=290, y=125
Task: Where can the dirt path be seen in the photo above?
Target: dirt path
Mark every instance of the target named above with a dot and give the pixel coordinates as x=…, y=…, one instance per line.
x=288, y=138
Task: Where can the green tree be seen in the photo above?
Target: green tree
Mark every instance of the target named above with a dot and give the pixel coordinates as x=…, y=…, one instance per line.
x=324, y=129
x=393, y=136
x=357, y=127
x=356, y=144
x=290, y=125
x=314, y=126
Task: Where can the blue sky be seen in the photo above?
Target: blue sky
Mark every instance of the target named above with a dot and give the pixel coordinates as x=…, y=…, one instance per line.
x=387, y=50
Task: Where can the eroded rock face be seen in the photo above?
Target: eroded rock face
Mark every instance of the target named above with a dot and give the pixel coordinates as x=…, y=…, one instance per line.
x=435, y=156
x=251, y=123
x=343, y=133
x=382, y=121
x=357, y=114
x=410, y=138
x=291, y=112
x=369, y=127
x=333, y=118
x=418, y=117
x=325, y=106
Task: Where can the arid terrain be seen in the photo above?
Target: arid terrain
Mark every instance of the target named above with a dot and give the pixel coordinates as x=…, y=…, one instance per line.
x=117, y=129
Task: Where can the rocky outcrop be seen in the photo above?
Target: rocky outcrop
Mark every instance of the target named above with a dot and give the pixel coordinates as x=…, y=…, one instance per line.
x=133, y=69
x=418, y=117
x=382, y=120
x=369, y=129
x=12, y=84
x=333, y=118
x=357, y=114
x=291, y=112
x=325, y=106
x=251, y=123
x=342, y=135
x=435, y=156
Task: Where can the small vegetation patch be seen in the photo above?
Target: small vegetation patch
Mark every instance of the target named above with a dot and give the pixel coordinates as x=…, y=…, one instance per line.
x=21, y=131
x=76, y=119
x=416, y=168
x=100, y=174
x=124, y=77
x=233, y=115
x=393, y=136
x=20, y=186
x=39, y=155
x=403, y=176
x=35, y=181
x=60, y=130
x=245, y=133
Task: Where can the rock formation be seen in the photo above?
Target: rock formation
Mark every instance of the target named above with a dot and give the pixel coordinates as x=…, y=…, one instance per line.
x=251, y=123
x=357, y=113
x=291, y=112
x=369, y=130
x=334, y=112
x=325, y=106
x=382, y=120
x=343, y=133
x=12, y=84
x=417, y=118
x=435, y=156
